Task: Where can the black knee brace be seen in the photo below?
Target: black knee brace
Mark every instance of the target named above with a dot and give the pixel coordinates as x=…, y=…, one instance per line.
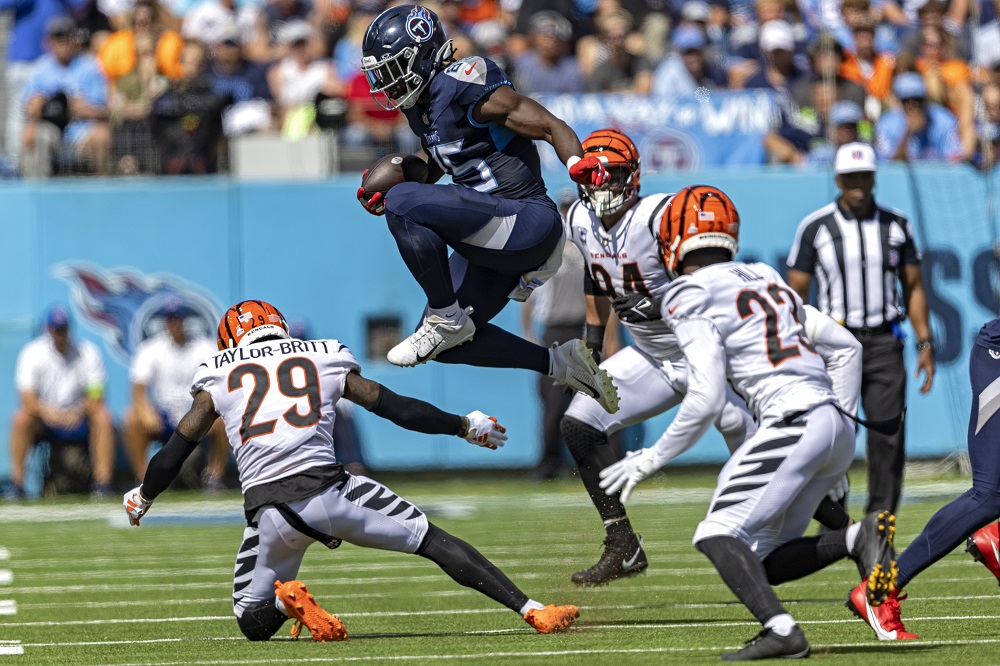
x=581, y=439
x=261, y=619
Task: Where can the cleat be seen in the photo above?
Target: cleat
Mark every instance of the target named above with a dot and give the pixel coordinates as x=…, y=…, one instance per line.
x=769, y=645
x=875, y=555
x=622, y=557
x=322, y=625
x=552, y=618
x=984, y=546
x=883, y=619
x=433, y=336
x=573, y=365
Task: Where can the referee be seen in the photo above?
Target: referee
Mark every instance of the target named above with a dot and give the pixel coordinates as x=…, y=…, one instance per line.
x=858, y=250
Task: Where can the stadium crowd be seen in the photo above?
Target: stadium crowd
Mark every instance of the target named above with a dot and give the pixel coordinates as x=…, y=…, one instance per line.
x=156, y=86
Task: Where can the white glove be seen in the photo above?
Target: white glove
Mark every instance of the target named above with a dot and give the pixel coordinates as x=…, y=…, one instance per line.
x=136, y=505
x=485, y=431
x=625, y=474
x=839, y=491
x=534, y=279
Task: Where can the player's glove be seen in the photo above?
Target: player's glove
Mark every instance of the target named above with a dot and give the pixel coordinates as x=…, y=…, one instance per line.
x=373, y=203
x=636, y=308
x=625, y=474
x=484, y=431
x=588, y=170
x=136, y=505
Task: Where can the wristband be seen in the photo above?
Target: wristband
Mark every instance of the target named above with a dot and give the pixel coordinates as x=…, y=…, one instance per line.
x=926, y=343
x=594, y=335
x=573, y=159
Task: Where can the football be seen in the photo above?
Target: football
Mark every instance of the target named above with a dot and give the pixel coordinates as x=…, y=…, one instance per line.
x=392, y=170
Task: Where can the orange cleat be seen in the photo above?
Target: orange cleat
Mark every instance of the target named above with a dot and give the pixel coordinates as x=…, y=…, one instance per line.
x=302, y=608
x=984, y=546
x=552, y=618
x=883, y=619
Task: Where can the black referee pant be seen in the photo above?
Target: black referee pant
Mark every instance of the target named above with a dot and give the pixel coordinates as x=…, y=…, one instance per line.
x=883, y=394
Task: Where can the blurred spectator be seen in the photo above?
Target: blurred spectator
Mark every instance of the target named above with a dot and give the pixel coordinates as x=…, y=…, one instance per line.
x=207, y=21
x=346, y=434
x=615, y=68
x=279, y=12
x=931, y=14
x=653, y=23
x=988, y=150
x=297, y=78
x=849, y=124
x=449, y=13
x=490, y=40
x=987, y=40
x=245, y=83
x=94, y=26
x=187, y=119
x=25, y=44
x=687, y=68
x=60, y=382
x=347, y=52
x=948, y=81
x=119, y=55
x=129, y=106
x=865, y=66
x=802, y=132
x=161, y=372
x=548, y=66
x=827, y=58
x=920, y=130
x=65, y=105
x=371, y=126
x=524, y=12
x=778, y=70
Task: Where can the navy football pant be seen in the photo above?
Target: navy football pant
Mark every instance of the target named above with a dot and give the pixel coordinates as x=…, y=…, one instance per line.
x=980, y=505
x=494, y=240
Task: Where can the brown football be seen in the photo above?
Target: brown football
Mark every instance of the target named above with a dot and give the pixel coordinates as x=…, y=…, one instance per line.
x=392, y=170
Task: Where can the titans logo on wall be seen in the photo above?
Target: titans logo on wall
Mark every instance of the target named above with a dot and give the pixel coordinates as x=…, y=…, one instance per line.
x=126, y=306
x=418, y=25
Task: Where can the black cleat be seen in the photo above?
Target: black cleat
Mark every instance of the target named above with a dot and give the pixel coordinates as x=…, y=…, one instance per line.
x=875, y=555
x=623, y=557
x=769, y=645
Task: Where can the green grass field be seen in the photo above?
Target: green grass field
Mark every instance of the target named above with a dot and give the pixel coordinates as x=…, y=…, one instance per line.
x=88, y=589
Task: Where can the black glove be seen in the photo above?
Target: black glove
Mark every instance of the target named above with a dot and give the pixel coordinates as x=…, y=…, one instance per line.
x=636, y=308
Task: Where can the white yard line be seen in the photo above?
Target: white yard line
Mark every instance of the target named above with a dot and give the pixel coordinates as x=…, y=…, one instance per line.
x=8, y=607
x=11, y=647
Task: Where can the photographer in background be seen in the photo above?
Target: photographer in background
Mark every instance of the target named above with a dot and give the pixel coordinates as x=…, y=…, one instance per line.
x=65, y=106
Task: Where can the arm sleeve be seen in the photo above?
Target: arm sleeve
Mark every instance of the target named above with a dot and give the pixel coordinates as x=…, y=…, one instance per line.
x=166, y=465
x=842, y=354
x=415, y=415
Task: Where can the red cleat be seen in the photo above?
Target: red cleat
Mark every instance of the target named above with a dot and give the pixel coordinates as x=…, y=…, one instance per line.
x=884, y=618
x=984, y=546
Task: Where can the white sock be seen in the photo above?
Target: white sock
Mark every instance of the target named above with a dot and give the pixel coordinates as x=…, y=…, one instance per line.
x=449, y=312
x=781, y=624
x=531, y=605
x=852, y=535
x=280, y=606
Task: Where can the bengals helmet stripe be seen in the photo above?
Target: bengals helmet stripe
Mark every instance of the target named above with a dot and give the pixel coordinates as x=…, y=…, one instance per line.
x=248, y=321
x=623, y=163
x=698, y=216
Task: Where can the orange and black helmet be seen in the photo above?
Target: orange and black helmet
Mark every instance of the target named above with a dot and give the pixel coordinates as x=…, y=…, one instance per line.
x=621, y=158
x=248, y=321
x=698, y=216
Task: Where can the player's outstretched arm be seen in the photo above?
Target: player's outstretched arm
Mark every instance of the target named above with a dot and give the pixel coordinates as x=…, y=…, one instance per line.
x=530, y=119
x=419, y=416
x=166, y=464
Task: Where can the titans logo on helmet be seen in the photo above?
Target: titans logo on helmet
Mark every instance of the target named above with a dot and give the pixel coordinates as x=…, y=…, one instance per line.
x=419, y=25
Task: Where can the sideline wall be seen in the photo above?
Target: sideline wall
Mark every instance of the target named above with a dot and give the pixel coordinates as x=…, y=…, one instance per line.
x=310, y=248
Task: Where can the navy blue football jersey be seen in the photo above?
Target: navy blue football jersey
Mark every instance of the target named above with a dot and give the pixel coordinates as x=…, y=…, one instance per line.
x=486, y=157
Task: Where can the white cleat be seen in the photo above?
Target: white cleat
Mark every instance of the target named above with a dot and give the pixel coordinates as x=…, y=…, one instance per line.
x=434, y=336
x=573, y=364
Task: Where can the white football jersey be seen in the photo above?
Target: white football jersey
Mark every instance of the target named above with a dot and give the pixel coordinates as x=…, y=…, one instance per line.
x=625, y=259
x=276, y=399
x=768, y=360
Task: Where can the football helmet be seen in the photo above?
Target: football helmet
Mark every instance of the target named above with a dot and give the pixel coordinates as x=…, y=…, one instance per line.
x=403, y=48
x=697, y=217
x=249, y=321
x=622, y=163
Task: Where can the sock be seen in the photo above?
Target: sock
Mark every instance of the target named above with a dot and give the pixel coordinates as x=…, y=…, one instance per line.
x=831, y=515
x=800, y=557
x=744, y=574
x=592, y=453
x=449, y=312
x=852, y=536
x=280, y=605
x=618, y=527
x=781, y=624
x=530, y=605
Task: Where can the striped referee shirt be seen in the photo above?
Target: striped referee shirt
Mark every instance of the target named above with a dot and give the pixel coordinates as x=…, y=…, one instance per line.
x=856, y=262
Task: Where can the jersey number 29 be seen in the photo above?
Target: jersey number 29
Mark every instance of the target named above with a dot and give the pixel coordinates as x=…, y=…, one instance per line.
x=287, y=387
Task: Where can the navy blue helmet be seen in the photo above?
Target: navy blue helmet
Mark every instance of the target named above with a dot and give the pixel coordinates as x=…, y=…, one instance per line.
x=402, y=50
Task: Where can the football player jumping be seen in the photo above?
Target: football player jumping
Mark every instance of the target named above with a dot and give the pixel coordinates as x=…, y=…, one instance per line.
x=615, y=229
x=276, y=396
x=740, y=323
x=506, y=233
